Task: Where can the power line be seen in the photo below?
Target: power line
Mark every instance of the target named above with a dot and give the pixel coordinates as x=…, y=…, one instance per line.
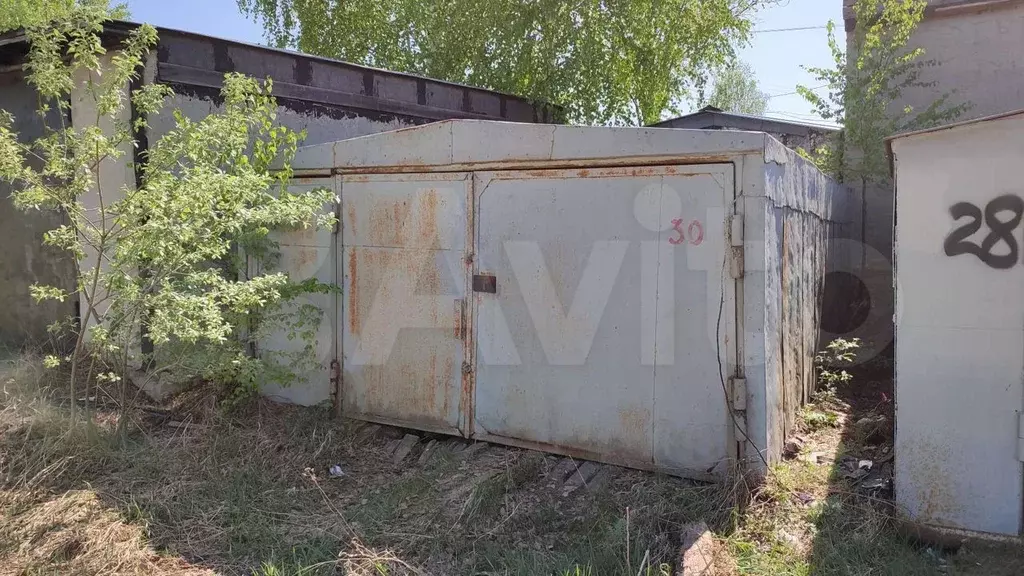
x=804, y=118
x=797, y=29
x=770, y=96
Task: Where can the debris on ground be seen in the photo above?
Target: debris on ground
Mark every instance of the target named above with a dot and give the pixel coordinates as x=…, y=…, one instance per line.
x=580, y=477
x=404, y=447
x=700, y=554
x=793, y=446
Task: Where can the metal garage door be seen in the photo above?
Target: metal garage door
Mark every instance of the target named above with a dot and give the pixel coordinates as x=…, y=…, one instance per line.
x=405, y=273
x=601, y=312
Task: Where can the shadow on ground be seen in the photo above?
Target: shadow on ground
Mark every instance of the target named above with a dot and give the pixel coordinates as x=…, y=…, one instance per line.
x=857, y=531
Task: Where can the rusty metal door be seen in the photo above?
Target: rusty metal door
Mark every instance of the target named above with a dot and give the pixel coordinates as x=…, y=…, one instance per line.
x=404, y=276
x=602, y=314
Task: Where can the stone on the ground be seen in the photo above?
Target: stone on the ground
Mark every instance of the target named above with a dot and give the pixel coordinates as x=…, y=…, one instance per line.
x=562, y=470
x=367, y=432
x=697, y=555
x=405, y=446
x=583, y=474
x=473, y=449
x=605, y=475
x=428, y=451
x=793, y=446
x=392, y=446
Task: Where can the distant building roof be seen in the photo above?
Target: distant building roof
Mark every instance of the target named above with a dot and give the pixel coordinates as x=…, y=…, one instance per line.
x=199, y=61
x=711, y=118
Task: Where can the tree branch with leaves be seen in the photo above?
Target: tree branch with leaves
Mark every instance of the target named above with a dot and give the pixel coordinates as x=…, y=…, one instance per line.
x=865, y=87
x=151, y=257
x=604, y=61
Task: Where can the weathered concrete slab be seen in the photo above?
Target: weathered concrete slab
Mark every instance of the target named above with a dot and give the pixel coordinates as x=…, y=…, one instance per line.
x=583, y=474
x=428, y=451
x=473, y=448
x=405, y=446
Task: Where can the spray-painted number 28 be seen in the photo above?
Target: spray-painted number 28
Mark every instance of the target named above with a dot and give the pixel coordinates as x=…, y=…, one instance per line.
x=1001, y=231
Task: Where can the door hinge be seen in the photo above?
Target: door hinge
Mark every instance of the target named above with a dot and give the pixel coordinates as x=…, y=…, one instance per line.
x=467, y=368
x=736, y=230
x=460, y=318
x=738, y=389
x=736, y=263
x=1020, y=437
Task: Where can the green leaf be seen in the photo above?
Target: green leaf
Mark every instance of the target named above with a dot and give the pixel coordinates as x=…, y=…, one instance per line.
x=604, y=61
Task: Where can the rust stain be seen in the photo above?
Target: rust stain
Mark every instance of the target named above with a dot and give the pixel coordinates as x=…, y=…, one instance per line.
x=351, y=210
x=427, y=223
x=306, y=256
x=388, y=220
x=353, y=294
x=634, y=421
x=446, y=375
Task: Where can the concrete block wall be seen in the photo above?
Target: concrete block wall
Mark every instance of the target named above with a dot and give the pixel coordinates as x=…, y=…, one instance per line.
x=25, y=260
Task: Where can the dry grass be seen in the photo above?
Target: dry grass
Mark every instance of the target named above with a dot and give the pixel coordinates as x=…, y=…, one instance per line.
x=193, y=491
x=189, y=490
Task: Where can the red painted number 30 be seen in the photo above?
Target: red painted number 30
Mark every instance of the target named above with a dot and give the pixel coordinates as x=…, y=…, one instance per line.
x=695, y=231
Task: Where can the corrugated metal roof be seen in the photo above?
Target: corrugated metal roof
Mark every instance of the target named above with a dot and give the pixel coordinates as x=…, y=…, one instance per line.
x=120, y=28
x=712, y=117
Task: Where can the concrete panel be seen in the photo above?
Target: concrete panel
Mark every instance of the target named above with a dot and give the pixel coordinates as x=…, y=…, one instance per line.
x=445, y=96
x=402, y=88
x=303, y=254
x=485, y=103
x=977, y=56
x=26, y=260
x=334, y=77
x=260, y=63
x=322, y=124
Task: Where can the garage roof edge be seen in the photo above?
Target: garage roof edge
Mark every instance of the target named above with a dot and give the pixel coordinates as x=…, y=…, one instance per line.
x=487, y=142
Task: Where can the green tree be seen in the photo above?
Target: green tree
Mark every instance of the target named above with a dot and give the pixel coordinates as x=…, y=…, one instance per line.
x=604, y=61
x=736, y=89
x=19, y=13
x=148, y=254
x=865, y=87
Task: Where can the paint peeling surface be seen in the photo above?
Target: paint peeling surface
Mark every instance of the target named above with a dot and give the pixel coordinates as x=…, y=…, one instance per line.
x=404, y=241
x=585, y=291
x=601, y=337
x=960, y=326
x=806, y=211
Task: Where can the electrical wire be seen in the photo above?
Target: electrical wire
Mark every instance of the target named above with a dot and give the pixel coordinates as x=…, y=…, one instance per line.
x=770, y=96
x=721, y=372
x=796, y=29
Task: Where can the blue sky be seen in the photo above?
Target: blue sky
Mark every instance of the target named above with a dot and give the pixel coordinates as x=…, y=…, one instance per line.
x=777, y=57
